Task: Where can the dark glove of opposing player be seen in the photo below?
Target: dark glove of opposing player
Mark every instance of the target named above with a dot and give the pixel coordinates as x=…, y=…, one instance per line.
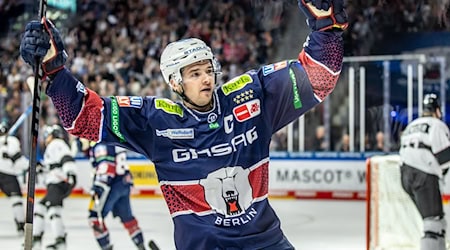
x=97, y=190
x=324, y=14
x=72, y=180
x=43, y=40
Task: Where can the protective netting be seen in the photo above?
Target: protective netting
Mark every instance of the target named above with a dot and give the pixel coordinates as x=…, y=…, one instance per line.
x=394, y=222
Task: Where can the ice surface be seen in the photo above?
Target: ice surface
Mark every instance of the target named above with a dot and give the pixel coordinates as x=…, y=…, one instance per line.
x=308, y=224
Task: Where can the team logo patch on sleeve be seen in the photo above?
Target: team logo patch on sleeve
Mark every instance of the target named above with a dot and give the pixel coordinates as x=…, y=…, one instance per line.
x=247, y=110
x=268, y=69
x=169, y=107
x=236, y=84
x=129, y=101
x=81, y=88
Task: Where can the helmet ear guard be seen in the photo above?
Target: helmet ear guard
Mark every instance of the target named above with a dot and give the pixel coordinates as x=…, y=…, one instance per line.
x=182, y=53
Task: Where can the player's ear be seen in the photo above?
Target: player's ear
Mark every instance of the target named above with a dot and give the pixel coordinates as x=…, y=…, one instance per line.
x=175, y=86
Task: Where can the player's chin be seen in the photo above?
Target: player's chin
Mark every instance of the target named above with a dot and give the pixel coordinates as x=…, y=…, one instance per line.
x=206, y=96
x=204, y=99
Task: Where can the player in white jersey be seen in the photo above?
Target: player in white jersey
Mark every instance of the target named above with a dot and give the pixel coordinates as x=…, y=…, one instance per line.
x=425, y=159
x=12, y=163
x=60, y=178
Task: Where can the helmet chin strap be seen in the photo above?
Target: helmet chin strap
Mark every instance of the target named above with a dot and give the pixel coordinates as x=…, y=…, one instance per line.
x=186, y=99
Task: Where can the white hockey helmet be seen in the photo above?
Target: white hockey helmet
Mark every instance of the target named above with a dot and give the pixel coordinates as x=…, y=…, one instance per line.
x=4, y=128
x=182, y=53
x=55, y=131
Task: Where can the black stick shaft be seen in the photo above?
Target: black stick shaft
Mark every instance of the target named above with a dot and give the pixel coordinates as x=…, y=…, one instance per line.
x=28, y=244
x=152, y=245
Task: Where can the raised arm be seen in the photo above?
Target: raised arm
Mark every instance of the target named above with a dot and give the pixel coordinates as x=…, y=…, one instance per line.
x=79, y=108
x=323, y=50
x=293, y=87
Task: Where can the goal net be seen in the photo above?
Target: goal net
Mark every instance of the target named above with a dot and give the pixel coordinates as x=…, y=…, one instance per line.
x=393, y=222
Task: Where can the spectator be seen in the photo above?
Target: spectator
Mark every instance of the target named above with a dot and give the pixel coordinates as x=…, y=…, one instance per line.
x=379, y=141
x=344, y=144
x=319, y=143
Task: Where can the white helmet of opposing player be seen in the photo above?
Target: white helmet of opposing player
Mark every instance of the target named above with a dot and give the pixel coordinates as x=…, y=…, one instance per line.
x=4, y=128
x=182, y=53
x=55, y=131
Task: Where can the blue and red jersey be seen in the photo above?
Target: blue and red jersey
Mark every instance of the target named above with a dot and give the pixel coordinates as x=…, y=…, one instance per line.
x=212, y=166
x=110, y=163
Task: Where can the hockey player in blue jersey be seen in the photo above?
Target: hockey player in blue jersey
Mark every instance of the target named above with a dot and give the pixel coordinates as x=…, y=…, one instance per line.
x=111, y=193
x=211, y=149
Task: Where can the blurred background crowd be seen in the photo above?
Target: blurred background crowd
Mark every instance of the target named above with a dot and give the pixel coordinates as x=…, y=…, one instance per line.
x=114, y=46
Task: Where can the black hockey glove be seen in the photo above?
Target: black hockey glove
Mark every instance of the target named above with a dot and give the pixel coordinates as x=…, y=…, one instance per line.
x=72, y=180
x=324, y=14
x=99, y=189
x=42, y=40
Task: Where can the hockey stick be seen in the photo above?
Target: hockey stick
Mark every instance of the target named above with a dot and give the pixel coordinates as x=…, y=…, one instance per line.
x=28, y=242
x=152, y=245
x=100, y=228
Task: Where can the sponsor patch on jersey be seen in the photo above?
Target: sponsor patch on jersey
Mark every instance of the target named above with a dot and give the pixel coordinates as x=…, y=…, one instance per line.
x=297, y=102
x=247, y=110
x=129, y=101
x=244, y=96
x=181, y=133
x=268, y=69
x=214, y=125
x=236, y=84
x=168, y=106
x=115, y=119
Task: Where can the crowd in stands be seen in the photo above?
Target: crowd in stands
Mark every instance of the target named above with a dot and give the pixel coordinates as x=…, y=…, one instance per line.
x=114, y=46
x=373, y=20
